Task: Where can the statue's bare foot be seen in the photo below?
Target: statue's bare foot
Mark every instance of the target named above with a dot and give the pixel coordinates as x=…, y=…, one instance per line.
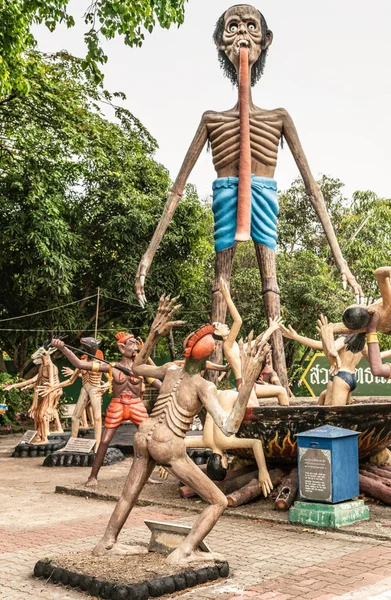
x=180, y=558
x=91, y=482
x=40, y=442
x=106, y=549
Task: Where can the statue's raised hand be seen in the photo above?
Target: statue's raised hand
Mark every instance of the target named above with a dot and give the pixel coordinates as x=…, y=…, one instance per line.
x=252, y=355
x=166, y=310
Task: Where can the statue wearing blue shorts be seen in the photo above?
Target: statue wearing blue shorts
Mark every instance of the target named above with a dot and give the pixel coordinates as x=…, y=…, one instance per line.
x=242, y=32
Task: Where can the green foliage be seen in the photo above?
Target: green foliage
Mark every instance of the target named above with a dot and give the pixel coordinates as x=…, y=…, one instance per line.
x=18, y=403
x=80, y=197
x=103, y=18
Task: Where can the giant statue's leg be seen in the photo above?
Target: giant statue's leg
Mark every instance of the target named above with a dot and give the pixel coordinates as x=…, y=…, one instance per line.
x=140, y=470
x=271, y=299
x=186, y=471
x=223, y=268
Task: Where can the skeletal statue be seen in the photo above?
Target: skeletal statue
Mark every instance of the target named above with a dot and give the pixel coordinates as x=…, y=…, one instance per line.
x=43, y=410
x=160, y=439
x=244, y=142
x=90, y=393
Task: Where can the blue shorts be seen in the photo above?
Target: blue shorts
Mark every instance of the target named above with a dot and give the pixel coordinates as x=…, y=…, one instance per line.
x=264, y=211
x=349, y=378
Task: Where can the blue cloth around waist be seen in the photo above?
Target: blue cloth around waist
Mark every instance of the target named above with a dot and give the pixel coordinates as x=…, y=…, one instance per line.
x=264, y=211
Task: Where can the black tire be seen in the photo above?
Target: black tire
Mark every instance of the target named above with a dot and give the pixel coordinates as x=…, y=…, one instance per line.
x=191, y=578
x=38, y=568
x=213, y=573
x=65, y=575
x=56, y=575
x=180, y=582
x=203, y=575
x=106, y=591
x=74, y=579
x=85, y=583
x=138, y=591
x=95, y=587
x=224, y=569
x=120, y=592
x=47, y=570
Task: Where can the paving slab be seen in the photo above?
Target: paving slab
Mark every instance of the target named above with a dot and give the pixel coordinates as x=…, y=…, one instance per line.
x=269, y=559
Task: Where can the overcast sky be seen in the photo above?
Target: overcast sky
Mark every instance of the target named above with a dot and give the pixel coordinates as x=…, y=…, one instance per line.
x=328, y=66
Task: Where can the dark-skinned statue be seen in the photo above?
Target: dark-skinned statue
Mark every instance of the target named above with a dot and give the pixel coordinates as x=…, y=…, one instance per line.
x=244, y=142
x=127, y=401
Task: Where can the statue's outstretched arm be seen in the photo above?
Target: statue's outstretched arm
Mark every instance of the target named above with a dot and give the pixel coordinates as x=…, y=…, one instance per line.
x=27, y=384
x=173, y=198
x=291, y=334
x=317, y=201
x=382, y=275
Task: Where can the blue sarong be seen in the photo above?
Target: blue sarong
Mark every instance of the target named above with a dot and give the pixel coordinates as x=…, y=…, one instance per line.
x=264, y=211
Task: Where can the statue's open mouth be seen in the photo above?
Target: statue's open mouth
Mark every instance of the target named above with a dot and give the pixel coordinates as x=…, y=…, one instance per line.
x=244, y=43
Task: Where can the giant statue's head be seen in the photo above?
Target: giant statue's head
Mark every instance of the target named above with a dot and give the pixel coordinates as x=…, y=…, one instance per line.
x=242, y=24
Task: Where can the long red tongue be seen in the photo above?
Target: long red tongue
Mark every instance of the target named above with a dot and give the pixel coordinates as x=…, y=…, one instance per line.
x=243, y=220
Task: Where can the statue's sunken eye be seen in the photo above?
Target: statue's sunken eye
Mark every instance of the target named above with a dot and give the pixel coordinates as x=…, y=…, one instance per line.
x=233, y=28
x=251, y=26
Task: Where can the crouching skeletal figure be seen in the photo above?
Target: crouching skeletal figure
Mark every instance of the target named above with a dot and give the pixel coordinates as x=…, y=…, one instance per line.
x=160, y=439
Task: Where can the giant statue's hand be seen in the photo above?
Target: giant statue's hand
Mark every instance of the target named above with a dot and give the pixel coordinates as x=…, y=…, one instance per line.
x=141, y=274
x=166, y=310
x=349, y=278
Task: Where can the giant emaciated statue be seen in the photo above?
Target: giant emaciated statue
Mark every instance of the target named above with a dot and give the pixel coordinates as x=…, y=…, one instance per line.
x=244, y=142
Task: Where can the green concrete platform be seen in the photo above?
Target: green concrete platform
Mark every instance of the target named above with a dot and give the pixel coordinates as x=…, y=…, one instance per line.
x=328, y=515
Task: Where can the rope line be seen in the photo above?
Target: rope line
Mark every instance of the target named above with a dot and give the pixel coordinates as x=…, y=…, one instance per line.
x=39, y=312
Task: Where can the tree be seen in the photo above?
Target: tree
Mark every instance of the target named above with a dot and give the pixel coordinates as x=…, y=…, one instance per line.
x=80, y=196
x=103, y=18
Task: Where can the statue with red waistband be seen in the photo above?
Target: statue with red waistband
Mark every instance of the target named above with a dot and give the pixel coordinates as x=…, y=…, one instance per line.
x=127, y=402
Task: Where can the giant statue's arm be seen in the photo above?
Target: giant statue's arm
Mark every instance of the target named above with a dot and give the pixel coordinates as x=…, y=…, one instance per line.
x=173, y=198
x=317, y=200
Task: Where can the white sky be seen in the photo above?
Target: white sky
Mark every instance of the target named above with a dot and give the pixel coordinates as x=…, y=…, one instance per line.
x=328, y=66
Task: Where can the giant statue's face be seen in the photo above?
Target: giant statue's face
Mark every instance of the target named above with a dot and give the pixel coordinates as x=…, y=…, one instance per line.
x=242, y=26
